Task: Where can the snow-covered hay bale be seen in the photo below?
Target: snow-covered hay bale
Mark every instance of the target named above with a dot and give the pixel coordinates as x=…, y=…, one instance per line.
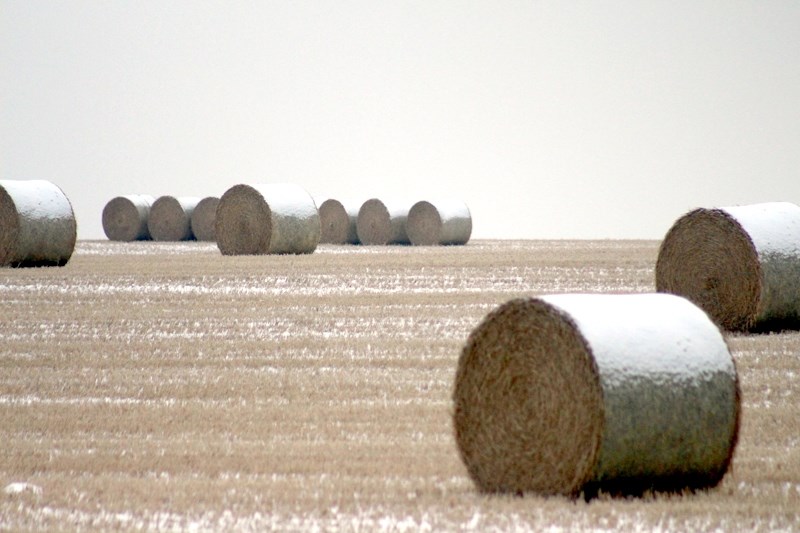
x=171, y=218
x=275, y=218
x=125, y=218
x=574, y=394
x=740, y=264
x=37, y=224
x=338, y=220
x=203, y=219
x=382, y=222
x=444, y=221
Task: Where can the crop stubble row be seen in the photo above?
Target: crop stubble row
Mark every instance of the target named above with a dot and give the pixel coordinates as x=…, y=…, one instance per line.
x=144, y=386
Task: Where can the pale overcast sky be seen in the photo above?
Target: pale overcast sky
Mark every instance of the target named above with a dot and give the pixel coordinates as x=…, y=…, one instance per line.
x=559, y=119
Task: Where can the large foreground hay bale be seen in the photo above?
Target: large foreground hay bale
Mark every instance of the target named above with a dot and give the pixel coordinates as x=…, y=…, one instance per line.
x=443, y=221
x=580, y=393
x=171, y=218
x=740, y=264
x=37, y=224
x=275, y=218
x=125, y=218
x=382, y=222
x=338, y=219
x=203, y=219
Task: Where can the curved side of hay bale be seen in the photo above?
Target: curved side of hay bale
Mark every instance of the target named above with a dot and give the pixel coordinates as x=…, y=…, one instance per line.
x=578, y=393
x=125, y=218
x=275, y=218
x=171, y=218
x=382, y=223
x=740, y=264
x=37, y=224
x=443, y=221
x=338, y=219
x=203, y=218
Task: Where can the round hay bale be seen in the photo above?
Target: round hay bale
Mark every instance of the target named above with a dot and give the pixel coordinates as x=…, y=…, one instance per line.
x=573, y=394
x=171, y=218
x=444, y=221
x=203, y=219
x=740, y=264
x=338, y=220
x=125, y=218
x=37, y=224
x=381, y=222
x=275, y=218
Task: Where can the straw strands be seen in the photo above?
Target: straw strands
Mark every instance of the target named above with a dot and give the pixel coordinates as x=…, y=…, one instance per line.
x=338, y=220
x=382, y=222
x=171, y=218
x=203, y=219
x=740, y=264
x=443, y=221
x=125, y=218
x=573, y=394
x=276, y=218
x=37, y=224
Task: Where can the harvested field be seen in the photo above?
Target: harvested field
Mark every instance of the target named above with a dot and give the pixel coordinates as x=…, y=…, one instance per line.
x=164, y=385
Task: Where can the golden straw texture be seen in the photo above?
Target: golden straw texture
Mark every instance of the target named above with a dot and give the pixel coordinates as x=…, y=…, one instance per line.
x=444, y=221
x=171, y=218
x=338, y=221
x=382, y=223
x=203, y=219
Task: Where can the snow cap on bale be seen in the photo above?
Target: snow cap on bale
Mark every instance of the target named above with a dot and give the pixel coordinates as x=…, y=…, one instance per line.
x=740, y=264
x=581, y=393
x=274, y=218
x=382, y=222
x=125, y=218
x=443, y=221
x=203, y=218
x=338, y=220
x=37, y=224
x=171, y=218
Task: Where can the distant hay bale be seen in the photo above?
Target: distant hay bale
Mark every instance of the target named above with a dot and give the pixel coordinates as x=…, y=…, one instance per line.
x=338, y=220
x=740, y=264
x=125, y=218
x=203, y=219
x=381, y=222
x=37, y=224
x=171, y=218
x=275, y=218
x=444, y=221
x=574, y=394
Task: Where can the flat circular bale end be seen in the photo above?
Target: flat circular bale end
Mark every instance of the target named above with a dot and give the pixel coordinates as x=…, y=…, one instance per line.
x=243, y=224
x=424, y=224
x=528, y=403
x=374, y=225
x=708, y=258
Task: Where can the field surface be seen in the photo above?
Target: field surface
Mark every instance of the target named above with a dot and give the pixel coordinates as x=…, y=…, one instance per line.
x=164, y=386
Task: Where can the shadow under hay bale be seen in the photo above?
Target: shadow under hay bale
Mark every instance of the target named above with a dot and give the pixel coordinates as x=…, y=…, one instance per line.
x=204, y=218
x=275, y=218
x=574, y=394
x=381, y=223
x=444, y=221
x=338, y=219
x=125, y=218
x=37, y=224
x=171, y=218
x=740, y=264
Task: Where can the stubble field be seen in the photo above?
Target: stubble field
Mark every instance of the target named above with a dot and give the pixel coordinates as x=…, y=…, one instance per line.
x=164, y=386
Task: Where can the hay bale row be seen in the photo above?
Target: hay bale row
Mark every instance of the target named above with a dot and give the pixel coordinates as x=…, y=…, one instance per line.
x=378, y=222
x=37, y=224
x=740, y=264
x=140, y=217
x=574, y=394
